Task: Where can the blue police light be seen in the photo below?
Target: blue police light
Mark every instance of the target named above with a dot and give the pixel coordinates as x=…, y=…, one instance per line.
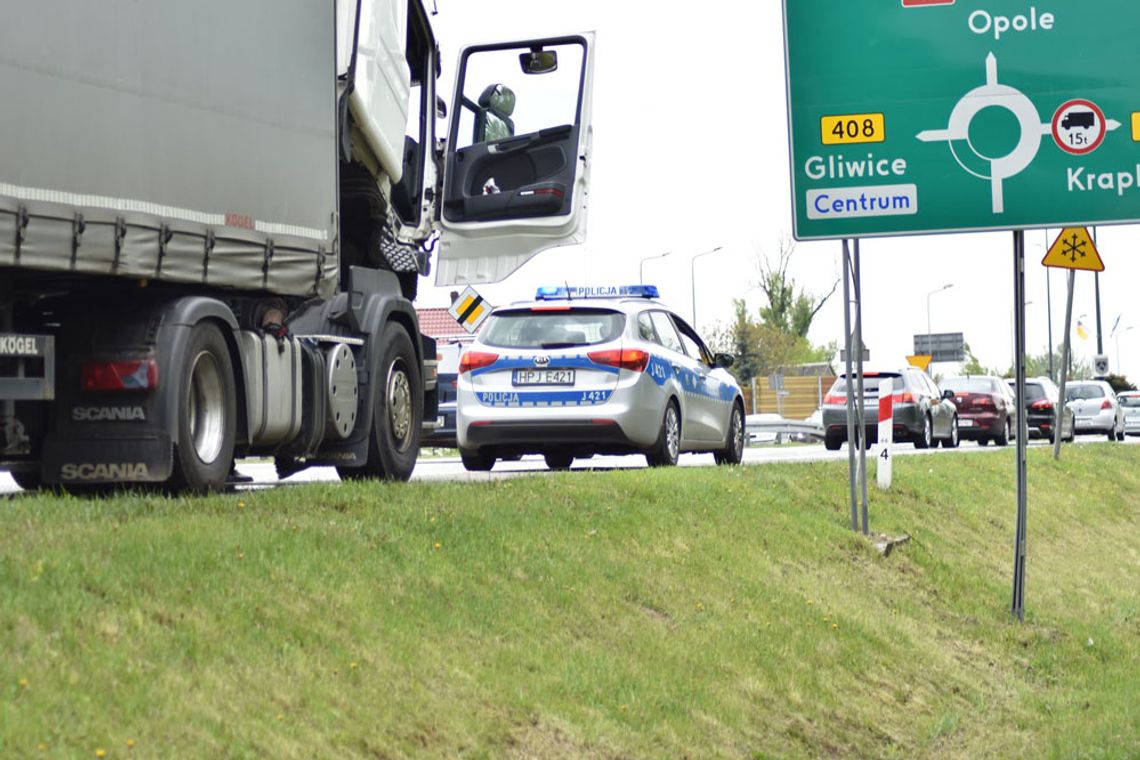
x=557, y=292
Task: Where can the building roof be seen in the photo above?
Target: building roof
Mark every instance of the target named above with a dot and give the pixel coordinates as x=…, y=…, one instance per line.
x=438, y=323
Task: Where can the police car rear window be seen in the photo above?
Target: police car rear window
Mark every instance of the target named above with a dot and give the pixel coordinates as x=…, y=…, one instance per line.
x=523, y=328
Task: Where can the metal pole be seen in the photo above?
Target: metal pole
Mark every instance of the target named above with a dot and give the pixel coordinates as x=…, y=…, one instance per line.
x=861, y=408
x=1049, y=310
x=1060, y=406
x=850, y=383
x=1099, y=331
x=1018, y=605
x=693, y=280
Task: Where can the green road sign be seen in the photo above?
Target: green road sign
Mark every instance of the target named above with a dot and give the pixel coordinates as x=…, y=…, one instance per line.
x=914, y=116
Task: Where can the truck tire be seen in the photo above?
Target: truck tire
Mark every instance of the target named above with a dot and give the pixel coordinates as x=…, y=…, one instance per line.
x=396, y=421
x=733, y=451
x=207, y=413
x=667, y=448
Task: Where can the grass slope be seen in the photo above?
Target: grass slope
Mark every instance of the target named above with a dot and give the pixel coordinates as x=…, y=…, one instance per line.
x=680, y=613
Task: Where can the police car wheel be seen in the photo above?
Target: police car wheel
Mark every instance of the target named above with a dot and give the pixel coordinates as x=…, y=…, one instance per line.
x=207, y=412
x=733, y=451
x=476, y=462
x=668, y=446
x=558, y=461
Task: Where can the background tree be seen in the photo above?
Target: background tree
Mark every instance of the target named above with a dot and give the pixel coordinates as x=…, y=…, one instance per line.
x=788, y=309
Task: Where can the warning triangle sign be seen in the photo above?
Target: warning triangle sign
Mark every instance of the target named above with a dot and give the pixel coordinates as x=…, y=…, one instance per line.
x=1074, y=249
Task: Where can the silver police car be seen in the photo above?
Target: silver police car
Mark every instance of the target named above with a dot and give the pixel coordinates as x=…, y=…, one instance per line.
x=581, y=371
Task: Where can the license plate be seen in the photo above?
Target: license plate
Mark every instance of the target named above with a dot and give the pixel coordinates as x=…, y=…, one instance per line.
x=965, y=423
x=542, y=377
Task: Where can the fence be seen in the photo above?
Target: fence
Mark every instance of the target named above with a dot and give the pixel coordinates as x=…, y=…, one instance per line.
x=801, y=396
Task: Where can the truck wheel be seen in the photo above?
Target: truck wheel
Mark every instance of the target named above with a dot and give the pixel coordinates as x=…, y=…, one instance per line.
x=733, y=451
x=207, y=414
x=29, y=481
x=395, y=440
x=668, y=446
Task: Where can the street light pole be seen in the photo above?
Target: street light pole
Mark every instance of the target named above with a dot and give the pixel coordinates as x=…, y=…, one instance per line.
x=693, y=279
x=1117, y=336
x=641, y=266
x=947, y=286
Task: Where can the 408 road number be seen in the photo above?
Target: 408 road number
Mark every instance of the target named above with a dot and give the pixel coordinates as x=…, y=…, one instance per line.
x=852, y=129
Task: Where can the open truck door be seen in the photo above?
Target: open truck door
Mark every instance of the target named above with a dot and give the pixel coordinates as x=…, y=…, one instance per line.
x=517, y=165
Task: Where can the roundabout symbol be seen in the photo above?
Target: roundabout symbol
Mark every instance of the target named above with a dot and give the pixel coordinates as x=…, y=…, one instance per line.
x=993, y=94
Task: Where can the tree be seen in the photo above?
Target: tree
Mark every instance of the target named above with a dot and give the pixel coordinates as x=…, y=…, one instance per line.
x=789, y=309
x=1119, y=383
x=762, y=348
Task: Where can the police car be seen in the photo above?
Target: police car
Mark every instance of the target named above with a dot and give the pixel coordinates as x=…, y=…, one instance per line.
x=581, y=371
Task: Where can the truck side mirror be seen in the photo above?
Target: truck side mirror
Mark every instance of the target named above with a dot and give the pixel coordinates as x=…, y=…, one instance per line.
x=723, y=361
x=539, y=61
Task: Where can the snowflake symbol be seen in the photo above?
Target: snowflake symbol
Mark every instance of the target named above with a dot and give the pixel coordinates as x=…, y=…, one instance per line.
x=1074, y=248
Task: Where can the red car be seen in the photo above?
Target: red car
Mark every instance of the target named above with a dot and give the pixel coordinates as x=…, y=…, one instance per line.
x=986, y=408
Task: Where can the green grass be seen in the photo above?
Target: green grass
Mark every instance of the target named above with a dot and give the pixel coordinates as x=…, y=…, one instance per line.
x=681, y=613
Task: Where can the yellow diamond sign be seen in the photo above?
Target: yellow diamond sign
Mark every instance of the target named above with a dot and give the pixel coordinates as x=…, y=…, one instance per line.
x=1074, y=249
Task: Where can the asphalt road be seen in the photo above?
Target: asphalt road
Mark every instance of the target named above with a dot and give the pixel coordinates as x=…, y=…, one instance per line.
x=428, y=468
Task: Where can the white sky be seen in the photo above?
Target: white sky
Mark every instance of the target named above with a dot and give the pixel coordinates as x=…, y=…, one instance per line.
x=690, y=153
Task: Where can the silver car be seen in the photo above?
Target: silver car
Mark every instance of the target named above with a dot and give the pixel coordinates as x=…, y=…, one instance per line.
x=584, y=371
x=1096, y=408
x=1130, y=403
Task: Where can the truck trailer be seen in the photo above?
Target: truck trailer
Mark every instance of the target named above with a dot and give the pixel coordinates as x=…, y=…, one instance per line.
x=214, y=217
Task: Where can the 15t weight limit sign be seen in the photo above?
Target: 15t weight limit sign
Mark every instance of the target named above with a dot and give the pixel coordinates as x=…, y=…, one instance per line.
x=952, y=119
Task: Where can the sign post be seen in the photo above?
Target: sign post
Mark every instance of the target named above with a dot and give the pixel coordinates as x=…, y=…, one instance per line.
x=1073, y=249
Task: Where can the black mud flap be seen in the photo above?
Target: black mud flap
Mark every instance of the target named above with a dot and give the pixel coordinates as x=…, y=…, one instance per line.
x=140, y=459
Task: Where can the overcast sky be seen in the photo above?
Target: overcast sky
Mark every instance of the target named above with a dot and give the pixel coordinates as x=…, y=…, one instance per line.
x=690, y=153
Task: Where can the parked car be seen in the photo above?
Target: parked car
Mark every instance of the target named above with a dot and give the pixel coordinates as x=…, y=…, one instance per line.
x=1041, y=396
x=599, y=370
x=1130, y=403
x=443, y=434
x=922, y=414
x=1096, y=408
x=986, y=408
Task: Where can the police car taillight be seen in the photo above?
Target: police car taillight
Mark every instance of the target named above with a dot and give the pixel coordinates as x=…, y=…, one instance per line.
x=472, y=360
x=624, y=358
x=132, y=375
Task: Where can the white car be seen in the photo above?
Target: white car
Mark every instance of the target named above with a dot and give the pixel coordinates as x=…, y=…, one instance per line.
x=1130, y=403
x=1096, y=408
x=584, y=371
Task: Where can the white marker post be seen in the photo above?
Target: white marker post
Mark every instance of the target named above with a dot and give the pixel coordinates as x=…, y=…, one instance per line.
x=886, y=433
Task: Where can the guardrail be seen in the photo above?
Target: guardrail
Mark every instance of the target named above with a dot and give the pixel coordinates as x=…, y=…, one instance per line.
x=757, y=425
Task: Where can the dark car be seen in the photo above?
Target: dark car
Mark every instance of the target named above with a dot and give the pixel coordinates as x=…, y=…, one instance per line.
x=986, y=408
x=921, y=414
x=442, y=434
x=1041, y=396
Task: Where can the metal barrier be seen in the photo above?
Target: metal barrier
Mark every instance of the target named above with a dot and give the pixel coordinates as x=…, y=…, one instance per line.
x=773, y=424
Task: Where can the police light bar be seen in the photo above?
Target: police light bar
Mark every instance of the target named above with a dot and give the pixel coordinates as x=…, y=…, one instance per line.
x=563, y=292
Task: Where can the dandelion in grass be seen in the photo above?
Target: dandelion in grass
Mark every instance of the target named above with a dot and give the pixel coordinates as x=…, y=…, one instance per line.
x=354, y=665
x=130, y=743
x=280, y=716
x=100, y=752
x=438, y=546
x=835, y=626
x=41, y=747
x=241, y=505
x=700, y=606
x=24, y=682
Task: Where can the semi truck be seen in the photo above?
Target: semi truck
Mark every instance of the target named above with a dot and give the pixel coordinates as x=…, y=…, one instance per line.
x=215, y=215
